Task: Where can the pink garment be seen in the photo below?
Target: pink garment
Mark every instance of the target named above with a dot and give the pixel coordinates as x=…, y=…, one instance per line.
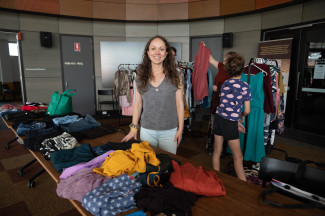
x=81, y=183
x=199, y=76
x=67, y=172
x=124, y=101
x=10, y=107
x=128, y=111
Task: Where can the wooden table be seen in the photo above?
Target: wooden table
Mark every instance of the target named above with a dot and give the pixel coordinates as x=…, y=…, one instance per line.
x=241, y=198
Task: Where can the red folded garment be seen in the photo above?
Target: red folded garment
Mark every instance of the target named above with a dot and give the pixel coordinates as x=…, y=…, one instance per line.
x=28, y=108
x=196, y=180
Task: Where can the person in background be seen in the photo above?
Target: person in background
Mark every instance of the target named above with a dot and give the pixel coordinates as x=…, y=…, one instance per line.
x=158, y=98
x=233, y=94
x=174, y=51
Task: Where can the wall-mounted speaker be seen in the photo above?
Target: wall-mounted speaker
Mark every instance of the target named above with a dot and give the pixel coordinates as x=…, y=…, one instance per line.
x=227, y=39
x=46, y=39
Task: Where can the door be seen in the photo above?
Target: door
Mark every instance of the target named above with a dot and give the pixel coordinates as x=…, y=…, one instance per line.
x=310, y=97
x=11, y=76
x=78, y=72
x=306, y=94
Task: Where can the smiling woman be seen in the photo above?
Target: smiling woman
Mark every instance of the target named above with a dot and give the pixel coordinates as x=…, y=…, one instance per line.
x=158, y=98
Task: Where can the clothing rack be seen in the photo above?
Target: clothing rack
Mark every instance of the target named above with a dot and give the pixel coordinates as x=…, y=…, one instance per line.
x=119, y=68
x=185, y=65
x=250, y=64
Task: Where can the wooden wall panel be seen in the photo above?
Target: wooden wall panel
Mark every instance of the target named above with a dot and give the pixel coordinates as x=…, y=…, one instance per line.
x=7, y=4
x=268, y=3
x=142, y=12
x=109, y=10
x=236, y=6
x=80, y=8
x=173, y=1
x=173, y=11
x=42, y=6
x=152, y=2
x=203, y=8
x=195, y=9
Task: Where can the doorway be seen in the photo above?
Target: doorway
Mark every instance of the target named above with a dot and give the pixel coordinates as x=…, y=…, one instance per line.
x=306, y=96
x=78, y=72
x=11, y=79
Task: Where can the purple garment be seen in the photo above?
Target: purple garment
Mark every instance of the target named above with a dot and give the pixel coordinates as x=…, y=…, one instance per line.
x=67, y=172
x=81, y=183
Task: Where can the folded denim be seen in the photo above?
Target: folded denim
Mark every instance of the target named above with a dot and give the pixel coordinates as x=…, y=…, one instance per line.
x=23, y=129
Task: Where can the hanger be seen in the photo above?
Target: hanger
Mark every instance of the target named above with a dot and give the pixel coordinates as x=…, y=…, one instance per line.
x=252, y=64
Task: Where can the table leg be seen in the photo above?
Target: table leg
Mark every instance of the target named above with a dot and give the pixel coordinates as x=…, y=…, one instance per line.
x=7, y=146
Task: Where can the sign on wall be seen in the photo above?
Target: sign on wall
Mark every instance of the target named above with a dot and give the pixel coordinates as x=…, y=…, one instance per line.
x=279, y=50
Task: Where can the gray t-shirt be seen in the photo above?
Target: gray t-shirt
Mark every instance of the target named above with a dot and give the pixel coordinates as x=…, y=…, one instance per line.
x=159, y=106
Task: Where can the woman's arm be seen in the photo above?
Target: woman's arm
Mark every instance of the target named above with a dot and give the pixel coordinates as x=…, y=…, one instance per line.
x=137, y=108
x=180, y=113
x=246, y=111
x=214, y=62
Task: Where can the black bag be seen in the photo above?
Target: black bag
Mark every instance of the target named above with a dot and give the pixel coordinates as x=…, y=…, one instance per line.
x=295, y=180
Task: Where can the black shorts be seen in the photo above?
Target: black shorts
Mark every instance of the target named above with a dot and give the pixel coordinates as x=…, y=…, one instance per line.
x=226, y=128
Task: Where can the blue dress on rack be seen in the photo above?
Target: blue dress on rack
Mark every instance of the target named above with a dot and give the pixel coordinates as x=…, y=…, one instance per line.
x=254, y=150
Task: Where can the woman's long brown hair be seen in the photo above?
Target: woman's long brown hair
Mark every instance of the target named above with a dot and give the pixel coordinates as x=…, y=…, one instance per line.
x=144, y=70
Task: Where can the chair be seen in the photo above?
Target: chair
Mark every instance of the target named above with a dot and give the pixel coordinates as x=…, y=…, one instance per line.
x=6, y=90
x=105, y=97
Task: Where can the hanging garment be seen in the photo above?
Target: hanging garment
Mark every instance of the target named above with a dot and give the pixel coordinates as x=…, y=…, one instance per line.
x=122, y=85
x=267, y=88
x=253, y=146
x=199, y=77
x=220, y=78
x=128, y=110
x=207, y=100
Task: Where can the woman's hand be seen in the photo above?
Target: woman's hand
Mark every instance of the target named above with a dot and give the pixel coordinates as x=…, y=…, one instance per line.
x=178, y=137
x=132, y=134
x=215, y=88
x=241, y=128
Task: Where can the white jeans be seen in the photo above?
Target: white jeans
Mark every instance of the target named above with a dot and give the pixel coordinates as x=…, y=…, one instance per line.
x=163, y=139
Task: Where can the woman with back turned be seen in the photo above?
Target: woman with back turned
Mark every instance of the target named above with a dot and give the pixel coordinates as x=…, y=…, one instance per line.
x=233, y=94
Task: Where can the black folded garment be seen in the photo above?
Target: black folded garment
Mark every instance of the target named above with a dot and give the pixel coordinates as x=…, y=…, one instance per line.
x=15, y=115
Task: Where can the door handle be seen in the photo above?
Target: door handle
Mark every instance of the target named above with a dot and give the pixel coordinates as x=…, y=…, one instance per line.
x=66, y=84
x=297, y=85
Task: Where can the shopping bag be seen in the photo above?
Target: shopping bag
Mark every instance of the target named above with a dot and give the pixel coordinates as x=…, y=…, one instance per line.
x=61, y=104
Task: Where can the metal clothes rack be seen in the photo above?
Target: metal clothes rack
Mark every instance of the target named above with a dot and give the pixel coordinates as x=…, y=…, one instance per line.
x=185, y=65
x=119, y=68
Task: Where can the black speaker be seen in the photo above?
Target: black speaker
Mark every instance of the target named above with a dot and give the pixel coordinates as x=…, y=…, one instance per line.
x=227, y=40
x=46, y=39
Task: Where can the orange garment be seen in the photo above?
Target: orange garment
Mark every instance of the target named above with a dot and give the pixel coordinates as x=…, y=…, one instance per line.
x=196, y=180
x=128, y=161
